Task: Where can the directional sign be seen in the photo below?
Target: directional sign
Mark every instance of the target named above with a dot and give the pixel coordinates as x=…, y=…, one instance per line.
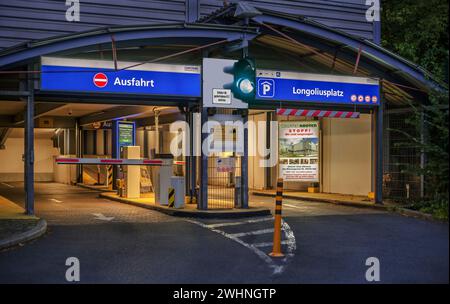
x=60, y=74
x=317, y=88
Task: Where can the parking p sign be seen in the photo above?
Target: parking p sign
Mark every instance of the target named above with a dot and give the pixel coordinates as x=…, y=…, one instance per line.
x=266, y=87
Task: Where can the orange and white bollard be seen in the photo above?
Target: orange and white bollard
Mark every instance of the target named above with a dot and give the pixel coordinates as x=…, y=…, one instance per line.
x=276, y=250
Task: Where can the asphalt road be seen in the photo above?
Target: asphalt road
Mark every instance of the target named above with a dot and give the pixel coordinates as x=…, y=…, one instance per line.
x=118, y=243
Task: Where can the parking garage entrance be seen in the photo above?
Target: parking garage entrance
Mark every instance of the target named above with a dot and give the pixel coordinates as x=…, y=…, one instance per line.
x=316, y=144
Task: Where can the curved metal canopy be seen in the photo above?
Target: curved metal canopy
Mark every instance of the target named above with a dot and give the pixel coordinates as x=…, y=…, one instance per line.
x=382, y=62
x=26, y=52
x=223, y=24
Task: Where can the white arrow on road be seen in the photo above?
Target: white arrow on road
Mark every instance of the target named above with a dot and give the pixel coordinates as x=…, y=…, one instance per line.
x=101, y=217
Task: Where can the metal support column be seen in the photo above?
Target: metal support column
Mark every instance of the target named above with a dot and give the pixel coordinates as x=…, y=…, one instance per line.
x=78, y=149
x=29, y=149
x=187, y=156
x=202, y=203
x=244, y=165
x=379, y=154
x=193, y=158
x=114, y=152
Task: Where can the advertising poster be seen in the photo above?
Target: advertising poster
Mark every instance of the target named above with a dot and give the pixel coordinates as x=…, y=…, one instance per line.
x=298, y=144
x=126, y=134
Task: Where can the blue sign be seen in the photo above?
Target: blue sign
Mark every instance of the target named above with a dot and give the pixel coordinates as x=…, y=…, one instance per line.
x=86, y=79
x=319, y=91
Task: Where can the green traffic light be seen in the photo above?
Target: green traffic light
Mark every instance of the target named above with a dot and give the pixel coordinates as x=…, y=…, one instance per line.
x=246, y=86
x=244, y=79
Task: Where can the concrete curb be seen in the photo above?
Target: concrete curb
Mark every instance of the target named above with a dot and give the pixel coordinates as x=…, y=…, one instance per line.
x=34, y=233
x=325, y=200
x=93, y=188
x=388, y=208
x=414, y=213
x=195, y=213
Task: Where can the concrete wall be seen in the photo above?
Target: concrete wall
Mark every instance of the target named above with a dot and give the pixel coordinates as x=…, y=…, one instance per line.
x=346, y=161
x=11, y=164
x=65, y=174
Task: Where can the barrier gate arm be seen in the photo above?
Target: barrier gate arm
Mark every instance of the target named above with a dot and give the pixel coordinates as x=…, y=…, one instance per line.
x=117, y=161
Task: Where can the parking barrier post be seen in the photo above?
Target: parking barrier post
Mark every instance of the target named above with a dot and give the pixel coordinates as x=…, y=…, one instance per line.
x=276, y=249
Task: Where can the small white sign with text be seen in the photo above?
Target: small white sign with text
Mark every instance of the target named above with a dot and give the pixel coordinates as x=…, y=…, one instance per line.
x=221, y=96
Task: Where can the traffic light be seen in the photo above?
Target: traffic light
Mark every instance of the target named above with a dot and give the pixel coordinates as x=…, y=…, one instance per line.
x=244, y=79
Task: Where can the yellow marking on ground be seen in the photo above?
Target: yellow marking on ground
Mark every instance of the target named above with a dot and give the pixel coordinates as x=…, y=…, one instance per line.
x=11, y=211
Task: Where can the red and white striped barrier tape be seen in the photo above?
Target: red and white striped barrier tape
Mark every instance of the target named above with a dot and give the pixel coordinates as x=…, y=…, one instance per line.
x=317, y=113
x=117, y=161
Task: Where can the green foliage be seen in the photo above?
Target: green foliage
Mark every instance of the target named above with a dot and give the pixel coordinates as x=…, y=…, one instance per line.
x=432, y=118
x=418, y=30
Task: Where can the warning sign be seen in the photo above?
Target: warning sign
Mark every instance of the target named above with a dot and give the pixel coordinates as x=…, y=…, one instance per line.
x=221, y=96
x=225, y=164
x=298, y=150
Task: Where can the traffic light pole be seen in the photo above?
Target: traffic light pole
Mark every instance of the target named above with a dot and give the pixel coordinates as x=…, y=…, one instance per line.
x=202, y=203
x=244, y=161
x=244, y=165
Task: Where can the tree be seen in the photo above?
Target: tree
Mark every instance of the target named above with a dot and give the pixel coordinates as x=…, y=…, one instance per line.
x=418, y=31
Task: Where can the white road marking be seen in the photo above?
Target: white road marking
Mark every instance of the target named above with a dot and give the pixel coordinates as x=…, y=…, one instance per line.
x=101, y=217
x=256, y=232
x=276, y=268
x=240, y=223
x=55, y=200
x=261, y=254
x=268, y=244
x=293, y=206
x=290, y=237
x=7, y=185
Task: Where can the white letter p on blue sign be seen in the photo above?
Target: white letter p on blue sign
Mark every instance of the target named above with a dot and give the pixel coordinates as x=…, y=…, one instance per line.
x=266, y=87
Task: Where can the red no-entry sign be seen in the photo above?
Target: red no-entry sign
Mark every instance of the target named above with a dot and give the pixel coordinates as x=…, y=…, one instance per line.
x=100, y=80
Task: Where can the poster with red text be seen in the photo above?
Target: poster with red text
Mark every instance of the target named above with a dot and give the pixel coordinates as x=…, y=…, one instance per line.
x=298, y=151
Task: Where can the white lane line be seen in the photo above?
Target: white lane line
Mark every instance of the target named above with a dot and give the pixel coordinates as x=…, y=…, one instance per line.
x=255, y=232
x=262, y=255
x=290, y=237
x=276, y=267
x=268, y=244
x=239, y=223
x=101, y=217
x=293, y=206
x=7, y=185
x=55, y=200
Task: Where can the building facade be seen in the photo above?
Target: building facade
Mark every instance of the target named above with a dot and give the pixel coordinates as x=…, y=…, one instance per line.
x=336, y=40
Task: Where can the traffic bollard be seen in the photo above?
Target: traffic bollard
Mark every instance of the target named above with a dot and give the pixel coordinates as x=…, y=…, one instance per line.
x=276, y=249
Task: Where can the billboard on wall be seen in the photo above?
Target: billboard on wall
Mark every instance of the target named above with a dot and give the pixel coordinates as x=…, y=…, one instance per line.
x=298, y=151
